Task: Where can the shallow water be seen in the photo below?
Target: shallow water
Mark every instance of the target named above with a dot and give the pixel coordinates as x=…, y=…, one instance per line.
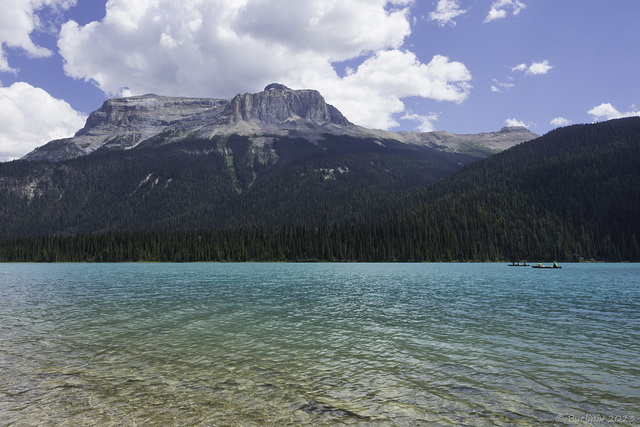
x=319, y=344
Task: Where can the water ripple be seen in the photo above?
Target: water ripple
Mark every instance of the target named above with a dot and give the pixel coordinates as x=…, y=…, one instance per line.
x=317, y=344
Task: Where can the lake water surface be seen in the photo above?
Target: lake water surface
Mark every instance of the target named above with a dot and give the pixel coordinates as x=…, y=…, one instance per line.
x=319, y=344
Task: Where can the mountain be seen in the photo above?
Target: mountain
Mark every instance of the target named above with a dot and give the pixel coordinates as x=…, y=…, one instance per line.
x=124, y=123
x=569, y=195
x=279, y=157
x=572, y=194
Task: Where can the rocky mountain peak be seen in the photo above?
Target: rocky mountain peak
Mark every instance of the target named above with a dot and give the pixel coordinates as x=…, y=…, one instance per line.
x=278, y=104
x=513, y=129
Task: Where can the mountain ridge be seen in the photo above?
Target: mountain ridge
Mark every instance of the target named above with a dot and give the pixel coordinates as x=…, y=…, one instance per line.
x=123, y=123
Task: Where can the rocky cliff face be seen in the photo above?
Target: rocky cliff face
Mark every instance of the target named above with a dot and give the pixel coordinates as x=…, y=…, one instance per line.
x=124, y=123
x=278, y=104
x=146, y=114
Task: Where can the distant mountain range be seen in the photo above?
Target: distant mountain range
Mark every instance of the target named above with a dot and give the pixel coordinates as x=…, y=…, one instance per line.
x=281, y=175
x=277, y=111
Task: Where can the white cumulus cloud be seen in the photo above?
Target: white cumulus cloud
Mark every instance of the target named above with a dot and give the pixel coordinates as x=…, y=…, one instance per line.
x=373, y=93
x=30, y=117
x=515, y=122
x=560, y=121
x=535, y=68
x=18, y=19
x=500, y=9
x=446, y=11
x=220, y=48
x=606, y=111
x=425, y=122
x=539, y=68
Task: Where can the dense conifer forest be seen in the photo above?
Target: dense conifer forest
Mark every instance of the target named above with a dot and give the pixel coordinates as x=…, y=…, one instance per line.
x=571, y=195
x=215, y=184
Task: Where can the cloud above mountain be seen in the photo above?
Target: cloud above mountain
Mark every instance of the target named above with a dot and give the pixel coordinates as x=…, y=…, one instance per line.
x=606, y=111
x=516, y=122
x=220, y=48
x=30, y=117
x=560, y=121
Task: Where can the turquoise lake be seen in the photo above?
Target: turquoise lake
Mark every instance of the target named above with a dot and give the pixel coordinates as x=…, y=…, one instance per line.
x=319, y=344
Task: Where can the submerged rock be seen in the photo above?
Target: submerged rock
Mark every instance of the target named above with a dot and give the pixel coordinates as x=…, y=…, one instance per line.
x=319, y=408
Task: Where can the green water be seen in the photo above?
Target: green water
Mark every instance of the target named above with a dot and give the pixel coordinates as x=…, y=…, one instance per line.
x=319, y=344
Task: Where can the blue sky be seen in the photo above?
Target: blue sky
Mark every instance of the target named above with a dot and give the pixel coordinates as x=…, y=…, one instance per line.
x=465, y=66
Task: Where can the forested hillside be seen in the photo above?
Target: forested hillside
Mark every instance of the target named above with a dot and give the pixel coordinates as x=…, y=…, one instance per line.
x=571, y=195
x=217, y=184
